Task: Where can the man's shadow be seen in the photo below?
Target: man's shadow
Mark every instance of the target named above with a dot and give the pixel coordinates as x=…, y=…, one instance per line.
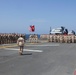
x=26, y=53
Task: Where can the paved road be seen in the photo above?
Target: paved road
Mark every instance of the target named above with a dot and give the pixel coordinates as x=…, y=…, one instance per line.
x=39, y=59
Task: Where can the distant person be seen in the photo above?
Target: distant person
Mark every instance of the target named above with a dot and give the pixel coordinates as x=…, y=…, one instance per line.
x=20, y=43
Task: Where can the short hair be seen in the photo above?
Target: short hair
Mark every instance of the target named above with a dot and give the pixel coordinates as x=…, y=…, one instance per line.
x=20, y=35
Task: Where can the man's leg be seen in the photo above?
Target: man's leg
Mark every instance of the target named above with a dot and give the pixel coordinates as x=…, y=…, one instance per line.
x=20, y=52
x=21, y=49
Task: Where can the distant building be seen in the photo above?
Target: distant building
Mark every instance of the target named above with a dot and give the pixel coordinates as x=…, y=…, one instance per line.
x=61, y=30
x=57, y=31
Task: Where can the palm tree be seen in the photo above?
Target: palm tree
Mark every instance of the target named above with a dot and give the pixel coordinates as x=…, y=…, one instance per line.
x=62, y=29
x=73, y=32
x=66, y=31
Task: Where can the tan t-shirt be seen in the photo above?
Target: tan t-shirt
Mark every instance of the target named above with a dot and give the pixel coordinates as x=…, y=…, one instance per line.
x=20, y=41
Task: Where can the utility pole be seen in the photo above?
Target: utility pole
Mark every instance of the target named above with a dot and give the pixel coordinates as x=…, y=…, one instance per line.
x=49, y=34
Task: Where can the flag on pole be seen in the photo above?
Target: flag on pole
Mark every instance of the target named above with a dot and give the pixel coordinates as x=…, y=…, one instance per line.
x=32, y=28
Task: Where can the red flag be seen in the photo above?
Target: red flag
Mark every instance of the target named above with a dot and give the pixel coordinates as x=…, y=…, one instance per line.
x=32, y=28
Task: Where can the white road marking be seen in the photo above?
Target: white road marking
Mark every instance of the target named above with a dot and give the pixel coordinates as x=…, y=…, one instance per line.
x=24, y=50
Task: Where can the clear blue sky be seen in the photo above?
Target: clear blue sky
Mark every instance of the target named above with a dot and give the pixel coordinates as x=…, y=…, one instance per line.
x=17, y=15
